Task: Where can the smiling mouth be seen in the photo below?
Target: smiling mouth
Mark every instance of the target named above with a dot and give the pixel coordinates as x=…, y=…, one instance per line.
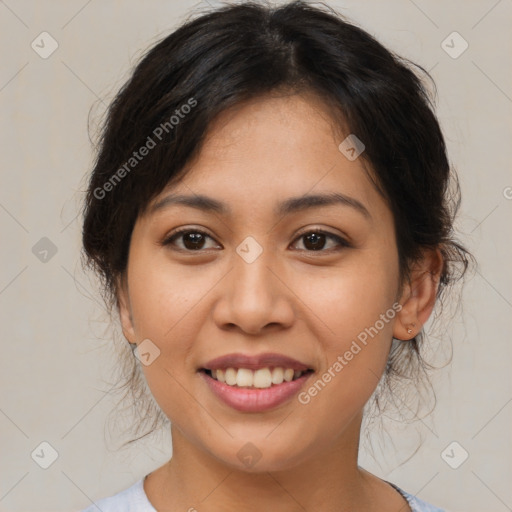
x=262, y=378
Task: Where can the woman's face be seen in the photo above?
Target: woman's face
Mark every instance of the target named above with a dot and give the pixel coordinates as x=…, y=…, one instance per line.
x=277, y=280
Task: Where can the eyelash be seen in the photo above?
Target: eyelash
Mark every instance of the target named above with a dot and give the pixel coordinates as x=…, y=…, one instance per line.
x=341, y=241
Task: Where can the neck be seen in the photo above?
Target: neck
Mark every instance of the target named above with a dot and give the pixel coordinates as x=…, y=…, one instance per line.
x=194, y=479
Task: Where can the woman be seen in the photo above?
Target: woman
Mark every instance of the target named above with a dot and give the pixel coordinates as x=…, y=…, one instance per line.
x=269, y=213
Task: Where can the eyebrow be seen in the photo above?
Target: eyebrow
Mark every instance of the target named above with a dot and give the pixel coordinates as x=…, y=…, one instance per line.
x=287, y=207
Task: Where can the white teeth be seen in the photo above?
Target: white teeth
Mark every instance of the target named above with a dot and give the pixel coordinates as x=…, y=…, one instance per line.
x=244, y=377
x=288, y=374
x=231, y=376
x=261, y=378
x=277, y=375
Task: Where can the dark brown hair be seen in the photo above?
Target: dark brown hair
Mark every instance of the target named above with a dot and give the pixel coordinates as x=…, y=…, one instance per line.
x=225, y=57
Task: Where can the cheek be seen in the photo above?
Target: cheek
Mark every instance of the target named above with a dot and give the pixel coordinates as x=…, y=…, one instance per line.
x=356, y=311
x=163, y=302
x=163, y=295
x=351, y=300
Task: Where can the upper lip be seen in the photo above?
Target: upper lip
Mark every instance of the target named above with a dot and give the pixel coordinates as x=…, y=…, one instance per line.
x=255, y=362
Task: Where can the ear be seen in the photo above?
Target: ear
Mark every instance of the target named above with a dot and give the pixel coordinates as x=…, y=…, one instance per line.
x=125, y=312
x=419, y=295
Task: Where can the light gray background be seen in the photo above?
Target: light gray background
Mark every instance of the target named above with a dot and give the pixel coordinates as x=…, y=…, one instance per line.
x=54, y=371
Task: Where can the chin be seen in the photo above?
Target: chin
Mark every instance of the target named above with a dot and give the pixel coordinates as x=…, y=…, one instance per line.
x=259, y=456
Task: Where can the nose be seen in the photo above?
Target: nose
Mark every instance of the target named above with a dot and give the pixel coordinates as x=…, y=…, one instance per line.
x=254, y=298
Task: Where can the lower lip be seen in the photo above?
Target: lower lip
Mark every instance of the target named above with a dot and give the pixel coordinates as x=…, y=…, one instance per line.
x=254, y=399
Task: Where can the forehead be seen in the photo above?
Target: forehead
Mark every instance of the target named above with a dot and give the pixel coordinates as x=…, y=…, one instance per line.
x=272, y=146
x=273, y=126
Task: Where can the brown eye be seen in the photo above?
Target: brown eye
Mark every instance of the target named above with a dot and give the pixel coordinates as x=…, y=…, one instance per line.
x=317, y=241
x=314, y=241
x=191, y=240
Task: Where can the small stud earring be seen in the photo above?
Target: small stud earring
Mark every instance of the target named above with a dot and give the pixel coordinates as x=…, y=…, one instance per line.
x=409, y=330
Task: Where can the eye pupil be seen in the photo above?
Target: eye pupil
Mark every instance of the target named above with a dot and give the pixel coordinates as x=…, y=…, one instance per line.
x=315, y=241
x=193, y=240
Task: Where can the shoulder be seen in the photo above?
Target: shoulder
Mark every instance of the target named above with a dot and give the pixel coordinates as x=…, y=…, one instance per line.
x=132, y=499
x=415, y=503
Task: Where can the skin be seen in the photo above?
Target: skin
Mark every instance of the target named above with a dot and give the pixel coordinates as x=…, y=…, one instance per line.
x=309, y=305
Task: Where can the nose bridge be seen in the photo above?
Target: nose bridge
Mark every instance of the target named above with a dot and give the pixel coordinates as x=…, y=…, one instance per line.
x=254, y=297
x=253, y=282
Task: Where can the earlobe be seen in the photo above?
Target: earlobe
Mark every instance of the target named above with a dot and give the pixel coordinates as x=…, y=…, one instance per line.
x=125, y=313
x=419, y=296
